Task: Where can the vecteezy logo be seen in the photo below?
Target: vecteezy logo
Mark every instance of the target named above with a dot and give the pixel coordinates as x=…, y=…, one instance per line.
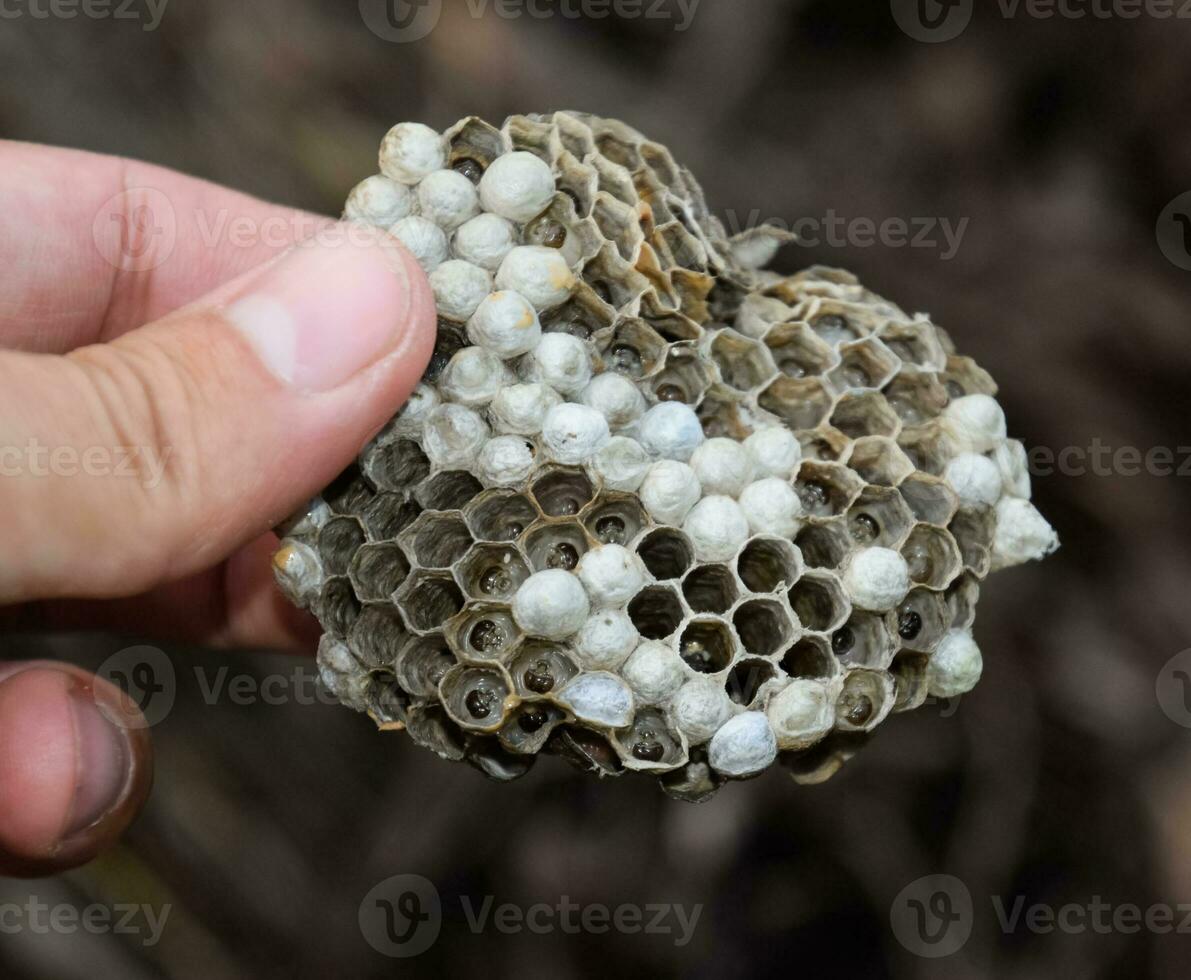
x=932, y=916
x=136, y=230
x=1174, y=231
x=932, y=21
x=146, y=677
x=1174, y=689
x=401, y=21
x=402, y=916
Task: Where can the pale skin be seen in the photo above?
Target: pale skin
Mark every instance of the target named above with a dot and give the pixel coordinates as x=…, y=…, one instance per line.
x=254, y=370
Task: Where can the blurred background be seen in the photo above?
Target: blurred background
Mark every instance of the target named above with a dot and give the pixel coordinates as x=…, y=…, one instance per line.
x=1064, y=778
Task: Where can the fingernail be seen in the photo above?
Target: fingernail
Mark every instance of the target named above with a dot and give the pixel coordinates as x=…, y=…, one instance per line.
x=328, y=309
x=104, y=759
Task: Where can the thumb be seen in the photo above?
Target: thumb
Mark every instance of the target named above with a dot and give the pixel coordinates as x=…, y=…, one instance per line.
x=123, y=465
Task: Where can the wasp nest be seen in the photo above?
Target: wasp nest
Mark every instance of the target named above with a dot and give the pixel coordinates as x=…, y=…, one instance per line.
x=652, y=507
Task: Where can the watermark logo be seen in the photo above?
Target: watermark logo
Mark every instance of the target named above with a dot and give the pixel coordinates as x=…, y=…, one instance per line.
x=401, y=21
x=932, y=916
x=139, y=922
x=136, y=230
x=402, y=916
x=1173, y=689
x=932, y=21
x=147, y=12
x=1173, y=231
x=146, y=677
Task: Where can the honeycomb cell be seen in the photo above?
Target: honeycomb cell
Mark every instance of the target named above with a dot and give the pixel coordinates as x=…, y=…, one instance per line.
x=613, y=279
x=743, y=364
x=656, y=612
x=926, y=447
x=963, y=376
x=864, y=413
x=474, y=141
x=836, y=323
x=650, y=743
x=556, y=546
x=429, y=599
x=922, y=620
x=915, y=344
x=973, y=532
x=562, y=491
x=910, y=688
x=438, y=540
x=530, y=726
x=879, y=460
x=673, y=327
x=819, y=763
x=706, y=645
x=422, y=663
x=801, y=403
x=768, y=564
x=633, y=349
x=798, y=352
x=338, y=542
x=489, y=756
x=916, y=398
x=584, y=316
x=879, y=518
x=747, y=678
x=476, y=698
x=397, y=464
x=450, y=490
x=684, y=376
x=695, y=782
x=932, y=557
x=930, y=499
x=864, y=364
x=826, y=489
x=540, y=668
x=387, y=515
x=667, y=553
x=763, y=626
x=377, y=570
x=348, y=494
x=500, y=515
x=865, y=640
x=810, y=657
x=483, y=632
x=961, y=597
x=865, y=701
x=819, y=602
x=586, y=750
x=710, y=589
x=376, y=635
x=615, y=518
x=824, y=444
x=722, y=415
x=338, y=606
x=431, y=728
x=825, y=545
x=491, y=572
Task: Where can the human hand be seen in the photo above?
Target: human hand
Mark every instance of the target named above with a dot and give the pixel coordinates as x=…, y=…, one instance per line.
x=237, y=374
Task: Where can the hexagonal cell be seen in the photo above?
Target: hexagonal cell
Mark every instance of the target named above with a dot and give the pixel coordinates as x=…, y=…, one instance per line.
x=973, y=532
x=584, y=315
x=540, y=668
x=500, y=515
x=476, y=698
x=377, y=635
x=865, y=701
x=430, y=728
x=377, y=570
x=963, y=376
x=338, y=542
x=722, y=414
x=744, y=364
x=586, y=750
x=385, y=701
x=666, y=552
x=422, y=662
x=819, y=602
x=615, y=518
x=961, y=597
x=798, y=352
x=802, y=403
x=530, y=726
x=337, y=606
x=810, y=657
x=909, y=680
x=746, y=679
x=612, y=279
x=925, y=446
x=916, y=398
x=922, y=620
x=915, y=343
x=438, y=540
x=449, y=339
x=450, y=490
x=347, y=493
x=399, y=464
x=489, y=756
x=672, y=326
x=929, y=498
x=650, y=743
x=879, y=460
x=387, y=515
x=694, y=782
x=429, y=599
x=710, y=589
x=767, y=564
x=819, y=763
x=556, y=546
x=706, y=645
x=825, y=545
x=932, y=556
x=562, y=491
x=656, y=612
x=879, y=518
x=864, y=413
x=837, y=323
x=864, y=364
x=683, y=378
x=492, y=572
x=865, y=640
x=633, y=349
x=824, y=444
x=826, y=489
x=763, y=626
x=484, y=632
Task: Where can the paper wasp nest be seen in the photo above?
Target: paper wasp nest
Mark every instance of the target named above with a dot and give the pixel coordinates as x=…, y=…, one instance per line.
x=651, y=508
